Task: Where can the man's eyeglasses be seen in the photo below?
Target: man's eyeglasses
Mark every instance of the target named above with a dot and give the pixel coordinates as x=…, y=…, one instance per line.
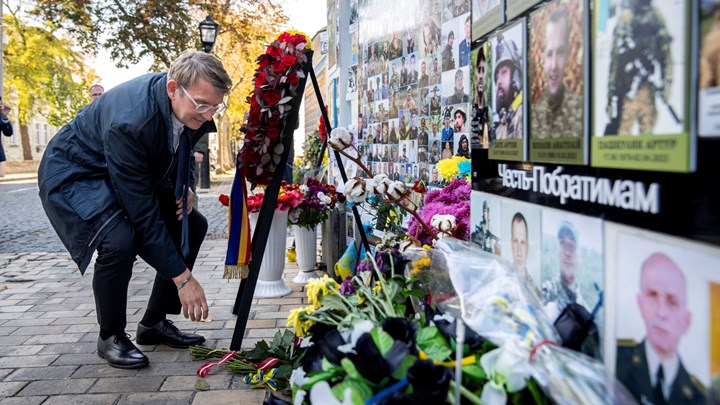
x=203, y=108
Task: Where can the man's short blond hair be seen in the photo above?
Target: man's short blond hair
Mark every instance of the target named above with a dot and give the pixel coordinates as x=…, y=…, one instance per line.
x=193, y=65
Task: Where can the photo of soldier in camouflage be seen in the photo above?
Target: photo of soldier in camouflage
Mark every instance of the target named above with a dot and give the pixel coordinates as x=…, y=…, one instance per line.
x=508, y=84
x=572, y=263
x=642, y=69
x=556, y=70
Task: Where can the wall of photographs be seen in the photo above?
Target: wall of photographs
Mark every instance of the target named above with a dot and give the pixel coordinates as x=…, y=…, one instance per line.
x=593, y=143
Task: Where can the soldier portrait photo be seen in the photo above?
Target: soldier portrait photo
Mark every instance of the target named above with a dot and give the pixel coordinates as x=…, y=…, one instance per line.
x=480, y=90
x=709, y=81
x=522, y=235
x=556, y=70
x=508, y=65
x=572, y=263
x=485, y=222
x=663, y=317
x=640, y=61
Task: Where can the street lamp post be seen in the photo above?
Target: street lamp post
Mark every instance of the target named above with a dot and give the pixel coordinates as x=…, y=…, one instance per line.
x=209, y=31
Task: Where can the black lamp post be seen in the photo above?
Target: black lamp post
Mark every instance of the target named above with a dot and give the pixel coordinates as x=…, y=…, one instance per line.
x=209, y=30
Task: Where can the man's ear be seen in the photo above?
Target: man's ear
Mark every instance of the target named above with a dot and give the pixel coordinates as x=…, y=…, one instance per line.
x=172, y=87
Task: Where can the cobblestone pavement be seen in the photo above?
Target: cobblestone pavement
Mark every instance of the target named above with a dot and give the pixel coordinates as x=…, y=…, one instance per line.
x=48, y=326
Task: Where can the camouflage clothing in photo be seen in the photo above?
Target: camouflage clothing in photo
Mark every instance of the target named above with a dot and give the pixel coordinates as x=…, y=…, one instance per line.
x=640, y=66
x=548, y=121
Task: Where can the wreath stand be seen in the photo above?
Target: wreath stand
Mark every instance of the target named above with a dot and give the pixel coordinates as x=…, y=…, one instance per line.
x=244, y=298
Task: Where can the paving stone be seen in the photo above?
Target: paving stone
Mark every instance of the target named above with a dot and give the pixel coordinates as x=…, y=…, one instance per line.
x=59, y=338
x=26, y=322
x=157, y=398
x=168, y=369
x=22, y=400
x=57, y=387
x=229, y=397
x=261, y=333
x=16, y=308
x=40, y=330
x=25, y=350
x=4, y=372
x=78, y=359
x=26, y=361
x=70, y=348
x=183, y=383
x=101, y=371
x=85, y=399
x=41, y=373
x=10, y=388
x=138, y=383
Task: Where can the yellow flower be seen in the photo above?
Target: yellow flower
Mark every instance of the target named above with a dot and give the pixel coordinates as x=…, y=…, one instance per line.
x=377, y=287
x=317, y=287
x=420, y=264
x=294, y=321
x=448, y=168
x=361, y=300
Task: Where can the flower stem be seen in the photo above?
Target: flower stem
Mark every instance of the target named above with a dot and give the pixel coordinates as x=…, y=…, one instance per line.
x=469, y=395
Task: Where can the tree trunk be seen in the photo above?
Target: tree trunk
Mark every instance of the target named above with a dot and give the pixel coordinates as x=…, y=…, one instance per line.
x=25, y=139
x=225, y=156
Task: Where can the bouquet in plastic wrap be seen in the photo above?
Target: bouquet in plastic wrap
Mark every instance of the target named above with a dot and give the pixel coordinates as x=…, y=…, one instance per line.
x=497, y=304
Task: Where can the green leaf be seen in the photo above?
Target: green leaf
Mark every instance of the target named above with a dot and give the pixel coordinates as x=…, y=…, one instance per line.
x=333, y=302
x=474, y=372
x=361, y=392
x=383, y=340
x=350, y=369
x=316, y=378
x=431, y=341
x=401, y=371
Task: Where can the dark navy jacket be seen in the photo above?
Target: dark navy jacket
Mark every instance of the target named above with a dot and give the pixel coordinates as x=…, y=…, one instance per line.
x=7, y=129
x=115, y=160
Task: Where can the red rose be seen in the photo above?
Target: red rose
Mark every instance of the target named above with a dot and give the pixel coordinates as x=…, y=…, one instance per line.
x=419, y=187
x=288, y=60
x=271, y=97
x=272, y=132
x=264, y=60
x=224, y=200
x=254, y=117
x=273, y=121
x=260, y=79
x=298, y=39
x=252, y=157
x=278, y=67
x=293, y=79
x=284, y=37
x=274, y=51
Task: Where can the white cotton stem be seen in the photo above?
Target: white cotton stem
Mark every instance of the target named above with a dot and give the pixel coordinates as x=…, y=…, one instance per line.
x=459, y=343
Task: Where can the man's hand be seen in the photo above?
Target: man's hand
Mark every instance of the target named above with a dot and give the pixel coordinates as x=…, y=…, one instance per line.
x=199, y=157
x=191, y=203
x=192, y=297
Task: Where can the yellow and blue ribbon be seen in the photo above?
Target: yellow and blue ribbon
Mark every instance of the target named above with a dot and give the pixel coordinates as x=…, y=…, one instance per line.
x=238, y=251
x=261, y=379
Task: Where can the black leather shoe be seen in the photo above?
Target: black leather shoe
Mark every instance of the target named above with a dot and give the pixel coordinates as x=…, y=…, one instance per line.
x=120, y=352
x=166, y=333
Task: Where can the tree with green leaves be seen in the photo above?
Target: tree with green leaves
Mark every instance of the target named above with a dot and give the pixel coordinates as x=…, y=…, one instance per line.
x=44, y=76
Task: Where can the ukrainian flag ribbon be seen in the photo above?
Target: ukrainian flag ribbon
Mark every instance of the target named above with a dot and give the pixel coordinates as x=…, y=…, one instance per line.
x=261, y=378
x=238, y=251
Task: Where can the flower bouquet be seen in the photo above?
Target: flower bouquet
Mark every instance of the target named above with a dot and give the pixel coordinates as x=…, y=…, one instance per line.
x=318, y=200
x=276, y=80
x=362, y=348
x=495, y=302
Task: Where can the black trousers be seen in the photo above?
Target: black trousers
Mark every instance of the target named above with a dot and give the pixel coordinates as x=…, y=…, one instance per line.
x=113, y=268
